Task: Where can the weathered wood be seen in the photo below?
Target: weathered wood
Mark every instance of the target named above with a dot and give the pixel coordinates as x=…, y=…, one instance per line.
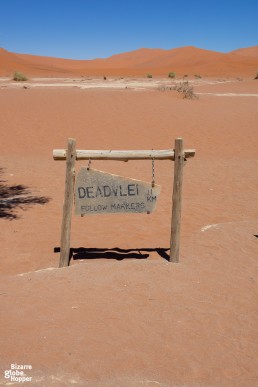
x=98, y=192
x=68, y=203
x=177, y=201
x=169, y=154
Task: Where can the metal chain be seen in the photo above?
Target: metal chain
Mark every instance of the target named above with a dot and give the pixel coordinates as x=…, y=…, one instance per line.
x=153, y=173
x=89, y=164
x=74, y=177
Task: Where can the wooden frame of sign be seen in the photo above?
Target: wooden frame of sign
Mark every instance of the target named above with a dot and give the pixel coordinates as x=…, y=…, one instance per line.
x=178, y=155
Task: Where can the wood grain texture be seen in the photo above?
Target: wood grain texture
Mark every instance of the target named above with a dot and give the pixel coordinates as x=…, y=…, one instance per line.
x=122, y=155
x=68, y=203
x=177, y=201
x=98, y=192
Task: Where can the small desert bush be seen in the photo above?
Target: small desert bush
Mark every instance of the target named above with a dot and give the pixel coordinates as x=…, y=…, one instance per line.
x=165, y=88
x=197, y=76
x=183, y=87
x=149, y=75
x=172, y=74
x=256, y=76
x=19, y=77
x=186, y=89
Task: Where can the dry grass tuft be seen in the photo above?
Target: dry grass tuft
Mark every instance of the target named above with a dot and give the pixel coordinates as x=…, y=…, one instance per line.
x=186, y=89
x=19, y=77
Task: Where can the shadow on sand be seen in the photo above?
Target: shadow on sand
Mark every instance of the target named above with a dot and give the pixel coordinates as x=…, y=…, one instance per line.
x=15, y=197
x=114, y=253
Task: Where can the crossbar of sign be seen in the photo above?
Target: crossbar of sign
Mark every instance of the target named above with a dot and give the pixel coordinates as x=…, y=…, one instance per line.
x=98, y=192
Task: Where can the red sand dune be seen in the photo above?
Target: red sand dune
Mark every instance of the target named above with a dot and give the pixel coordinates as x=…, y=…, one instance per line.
x=185, y=60
x=249, y=51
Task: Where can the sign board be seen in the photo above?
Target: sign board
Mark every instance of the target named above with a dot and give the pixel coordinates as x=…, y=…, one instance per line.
x=98, y=192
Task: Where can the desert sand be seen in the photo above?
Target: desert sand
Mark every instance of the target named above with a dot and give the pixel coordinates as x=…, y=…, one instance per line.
x=121, y=314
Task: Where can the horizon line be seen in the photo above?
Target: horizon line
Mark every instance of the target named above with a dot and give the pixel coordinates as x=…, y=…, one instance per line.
x=124, y=52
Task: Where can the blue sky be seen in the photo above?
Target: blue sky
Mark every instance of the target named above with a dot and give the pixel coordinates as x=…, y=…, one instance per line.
x=87, y=29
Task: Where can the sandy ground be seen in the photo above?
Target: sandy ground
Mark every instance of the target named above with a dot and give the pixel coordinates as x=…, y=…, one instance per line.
x=221, y=84
x=129, y=318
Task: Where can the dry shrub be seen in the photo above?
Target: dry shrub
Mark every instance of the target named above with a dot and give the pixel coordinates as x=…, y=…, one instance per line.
x=19, y=77
x=186, y=89
x=172, y=74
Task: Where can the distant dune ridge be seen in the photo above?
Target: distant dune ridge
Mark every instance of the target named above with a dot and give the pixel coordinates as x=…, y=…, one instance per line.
x=185, y=60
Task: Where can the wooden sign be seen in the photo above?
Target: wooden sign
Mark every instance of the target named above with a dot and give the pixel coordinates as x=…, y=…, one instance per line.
x=98, y=192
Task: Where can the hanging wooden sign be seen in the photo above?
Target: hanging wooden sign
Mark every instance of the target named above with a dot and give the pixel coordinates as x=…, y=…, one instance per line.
x=98, y=192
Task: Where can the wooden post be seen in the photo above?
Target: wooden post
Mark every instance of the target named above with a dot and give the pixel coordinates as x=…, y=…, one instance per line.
x=177, y=201
x=68, y=203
